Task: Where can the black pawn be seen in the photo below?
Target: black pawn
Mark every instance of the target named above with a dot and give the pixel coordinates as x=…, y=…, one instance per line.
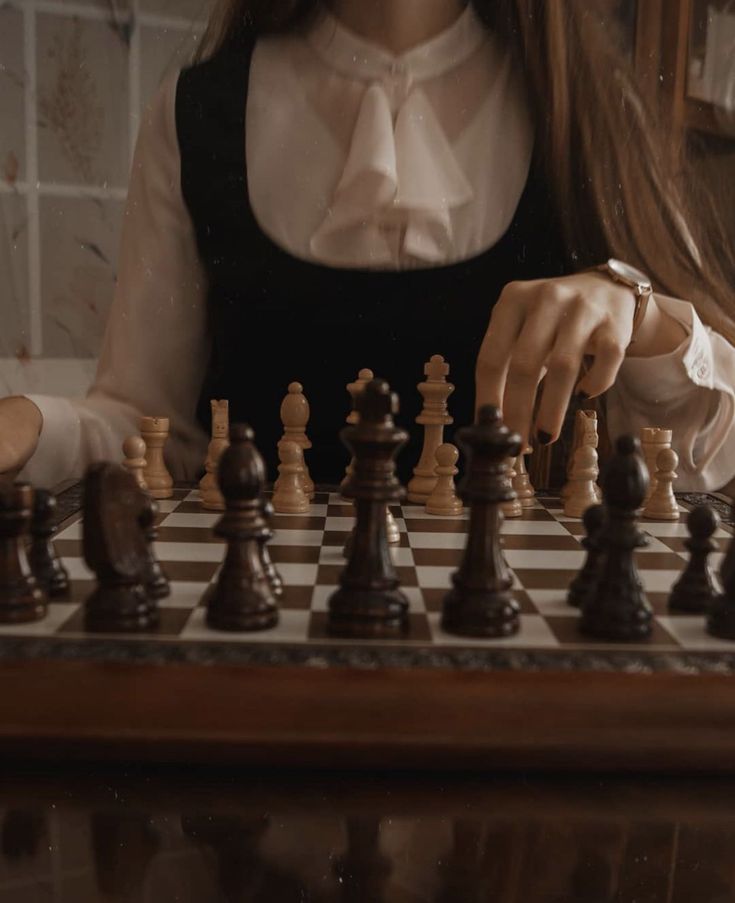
x=618, y=609
x=155, y=580
x=694, y=591
x=242, y=599
x=481, y=602
x=586, y=580
x=21, y=598
x=368, y=602
x=275, y=578
x=47, y=568
x=721, y=617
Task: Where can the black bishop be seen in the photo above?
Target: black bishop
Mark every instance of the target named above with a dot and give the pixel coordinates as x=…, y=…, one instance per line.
x=243, y=598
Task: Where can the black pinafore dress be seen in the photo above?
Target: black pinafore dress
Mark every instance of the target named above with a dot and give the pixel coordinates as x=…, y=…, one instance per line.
x=275, y=318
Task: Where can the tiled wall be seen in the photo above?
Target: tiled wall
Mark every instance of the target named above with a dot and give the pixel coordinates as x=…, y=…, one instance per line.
x=74, y=77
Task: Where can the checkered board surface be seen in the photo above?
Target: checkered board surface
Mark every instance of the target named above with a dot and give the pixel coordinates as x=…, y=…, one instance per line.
x=542, y=548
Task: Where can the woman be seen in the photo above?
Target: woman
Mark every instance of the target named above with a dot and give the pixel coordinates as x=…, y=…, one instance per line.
x=407, y=170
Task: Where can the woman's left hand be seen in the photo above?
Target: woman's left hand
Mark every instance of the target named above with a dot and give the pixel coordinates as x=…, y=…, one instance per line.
x=548, y=327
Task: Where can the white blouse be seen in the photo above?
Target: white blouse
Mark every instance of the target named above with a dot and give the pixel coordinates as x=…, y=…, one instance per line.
x=401, y=161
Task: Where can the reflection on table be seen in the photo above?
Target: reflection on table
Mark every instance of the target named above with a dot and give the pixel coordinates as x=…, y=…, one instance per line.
x=233, y=836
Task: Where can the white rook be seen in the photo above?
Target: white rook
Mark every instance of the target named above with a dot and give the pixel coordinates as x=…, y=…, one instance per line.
x=154, y=431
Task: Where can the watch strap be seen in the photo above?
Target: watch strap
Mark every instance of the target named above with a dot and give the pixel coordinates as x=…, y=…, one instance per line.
x=641, y=291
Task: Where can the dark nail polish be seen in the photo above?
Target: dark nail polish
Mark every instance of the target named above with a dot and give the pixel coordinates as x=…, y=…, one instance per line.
x=543, y=437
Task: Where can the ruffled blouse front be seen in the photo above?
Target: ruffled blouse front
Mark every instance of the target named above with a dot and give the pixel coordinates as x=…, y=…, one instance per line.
x=410, y=160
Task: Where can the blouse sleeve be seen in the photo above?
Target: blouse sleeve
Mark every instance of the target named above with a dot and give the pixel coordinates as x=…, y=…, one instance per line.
x=155, y=347
x=690, y=391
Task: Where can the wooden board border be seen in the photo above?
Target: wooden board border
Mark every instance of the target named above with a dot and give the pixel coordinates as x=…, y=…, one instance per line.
x=333, y=717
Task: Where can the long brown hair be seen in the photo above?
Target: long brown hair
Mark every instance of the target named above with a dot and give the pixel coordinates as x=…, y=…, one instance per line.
x=619, y=188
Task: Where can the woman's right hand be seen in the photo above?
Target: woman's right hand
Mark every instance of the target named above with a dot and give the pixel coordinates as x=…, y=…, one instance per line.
x=20, y=427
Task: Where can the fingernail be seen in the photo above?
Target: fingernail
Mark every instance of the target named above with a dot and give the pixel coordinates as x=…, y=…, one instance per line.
x=543, y=437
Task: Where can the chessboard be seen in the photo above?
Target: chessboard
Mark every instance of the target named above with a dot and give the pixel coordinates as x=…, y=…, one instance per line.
x=294, y=693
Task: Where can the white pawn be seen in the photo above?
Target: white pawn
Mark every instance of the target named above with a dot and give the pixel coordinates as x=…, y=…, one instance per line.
x=363, y=378
x=443, y=500
x=391, y=528
x=662, y=504
x=289, y=496
x=135, y=462
x=513, y=508
x=582, y=486
x=522, y=482
x=209, y=491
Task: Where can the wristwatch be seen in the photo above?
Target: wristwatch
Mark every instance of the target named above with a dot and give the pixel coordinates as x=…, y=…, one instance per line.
x=625, y=274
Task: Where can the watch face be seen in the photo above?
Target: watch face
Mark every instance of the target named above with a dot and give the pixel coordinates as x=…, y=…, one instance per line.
x=628, y=273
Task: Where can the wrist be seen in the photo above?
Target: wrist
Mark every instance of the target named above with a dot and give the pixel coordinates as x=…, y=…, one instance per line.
x=657, y=334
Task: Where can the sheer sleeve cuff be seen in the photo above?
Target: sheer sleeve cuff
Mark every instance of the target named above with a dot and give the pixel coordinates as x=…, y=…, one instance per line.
x=666, y=377
x=57, y=455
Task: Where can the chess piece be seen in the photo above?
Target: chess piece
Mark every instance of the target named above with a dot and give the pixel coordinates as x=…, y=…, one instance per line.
x=274, y=577
x=585, y=582
x=512, y=508
x=584, y=433
x=115, y=549
x=294, y=417
x=392, y=532
x=522, y=482
x=211, y=497
x=363, y=378
x=443, y=500
x=662, y=504
x=46, y=566
x=368, y=602
x=21, y=598
x=154, y=431
x=242, y=598
x=618, y=609
x=154, y=579
x=582, y=486
x=653, y=440
x=481, y=602
x=289, y=496
x=134, y=462
x=694, y=591
x=434, y=416
x=721, y=616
